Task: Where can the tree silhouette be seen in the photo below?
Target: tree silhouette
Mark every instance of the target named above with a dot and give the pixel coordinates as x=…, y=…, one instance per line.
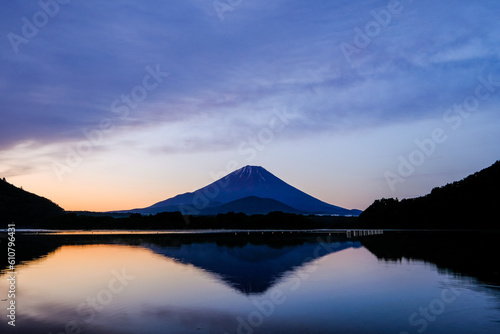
x=465, y=204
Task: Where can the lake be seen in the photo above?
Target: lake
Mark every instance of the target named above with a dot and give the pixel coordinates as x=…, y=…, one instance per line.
x=254, y=282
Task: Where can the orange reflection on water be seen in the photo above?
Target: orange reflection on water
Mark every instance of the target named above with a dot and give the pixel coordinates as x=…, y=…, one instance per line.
x=96, y=282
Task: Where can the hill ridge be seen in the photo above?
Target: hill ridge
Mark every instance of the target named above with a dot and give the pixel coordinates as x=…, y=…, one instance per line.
x=24, y=208
x=472, y=199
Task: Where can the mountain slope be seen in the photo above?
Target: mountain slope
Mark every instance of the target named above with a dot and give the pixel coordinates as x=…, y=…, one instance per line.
x=246, y=182
x=251, y=205
x=469, y=203
x=23, y=208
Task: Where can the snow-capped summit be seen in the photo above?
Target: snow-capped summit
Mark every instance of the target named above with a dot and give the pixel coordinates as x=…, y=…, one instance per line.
x=245, y=173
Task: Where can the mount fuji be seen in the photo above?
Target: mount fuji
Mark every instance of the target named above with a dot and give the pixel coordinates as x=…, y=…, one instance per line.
x=251, y=190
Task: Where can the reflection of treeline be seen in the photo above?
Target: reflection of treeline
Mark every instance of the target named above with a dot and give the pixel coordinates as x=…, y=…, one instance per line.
x=39, y=245
x=460, y=253
x=469, y=203
x=175, y=220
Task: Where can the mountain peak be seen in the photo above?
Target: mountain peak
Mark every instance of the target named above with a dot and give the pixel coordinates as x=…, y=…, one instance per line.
x=249, y=169
x=248, y=181
x=247, y=172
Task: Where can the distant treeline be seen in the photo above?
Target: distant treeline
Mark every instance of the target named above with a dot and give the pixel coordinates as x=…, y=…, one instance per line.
x=471, y=203
x=175, y=220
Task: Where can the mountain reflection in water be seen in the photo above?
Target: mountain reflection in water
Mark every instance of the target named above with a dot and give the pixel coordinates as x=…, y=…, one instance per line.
x=248, y=262
x=223, y=282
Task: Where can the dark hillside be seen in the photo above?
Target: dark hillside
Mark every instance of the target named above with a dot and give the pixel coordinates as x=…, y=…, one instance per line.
x=23, y=208
x=466, y=204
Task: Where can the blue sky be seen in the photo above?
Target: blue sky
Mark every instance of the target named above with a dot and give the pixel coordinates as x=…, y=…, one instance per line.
x=121, y=104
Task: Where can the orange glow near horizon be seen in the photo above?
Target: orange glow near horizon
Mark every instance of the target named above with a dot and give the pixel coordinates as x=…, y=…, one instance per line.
x=89, y=196
x=93, y=198
x=124, y=185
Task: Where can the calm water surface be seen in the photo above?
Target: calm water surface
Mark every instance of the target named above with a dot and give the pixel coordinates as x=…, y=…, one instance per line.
x=411, y=282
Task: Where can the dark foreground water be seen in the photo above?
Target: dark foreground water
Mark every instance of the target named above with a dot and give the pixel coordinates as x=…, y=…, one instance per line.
x=412, y=282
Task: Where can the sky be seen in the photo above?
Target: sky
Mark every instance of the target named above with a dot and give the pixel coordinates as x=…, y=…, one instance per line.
x=121, y=104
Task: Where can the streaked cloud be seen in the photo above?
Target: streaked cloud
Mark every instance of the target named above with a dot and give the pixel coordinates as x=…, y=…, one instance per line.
x=227, y=76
